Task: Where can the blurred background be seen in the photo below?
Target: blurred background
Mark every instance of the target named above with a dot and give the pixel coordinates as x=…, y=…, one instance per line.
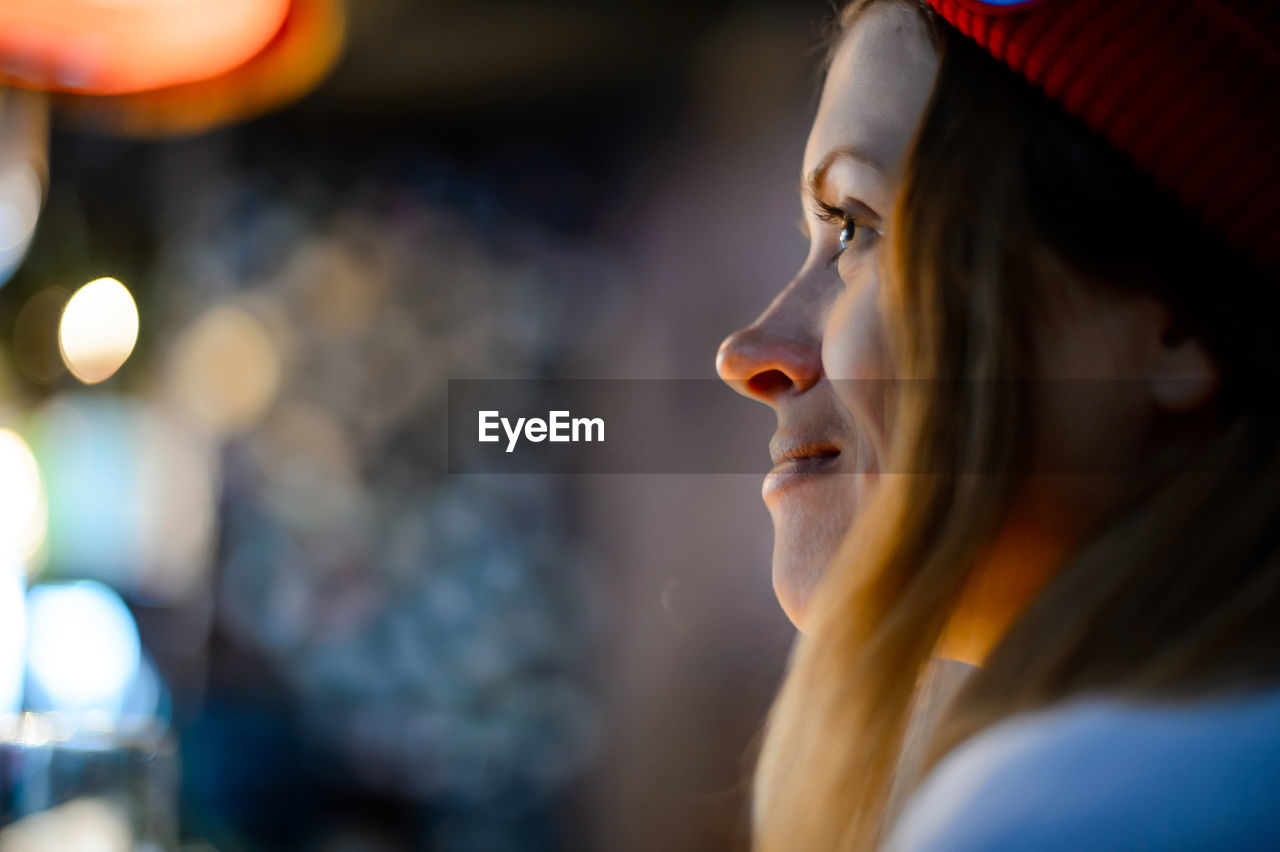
x=244, y=244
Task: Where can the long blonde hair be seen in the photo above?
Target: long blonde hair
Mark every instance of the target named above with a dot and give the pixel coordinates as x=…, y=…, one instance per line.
x=1157, y=602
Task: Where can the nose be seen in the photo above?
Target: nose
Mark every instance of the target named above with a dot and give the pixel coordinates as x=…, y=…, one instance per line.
x=767, y=360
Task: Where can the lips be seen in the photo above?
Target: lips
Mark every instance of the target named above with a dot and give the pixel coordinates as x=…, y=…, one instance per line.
x=783, y=450
x=795, y=460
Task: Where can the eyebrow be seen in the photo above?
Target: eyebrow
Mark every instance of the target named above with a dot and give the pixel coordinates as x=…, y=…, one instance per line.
x=809, y=185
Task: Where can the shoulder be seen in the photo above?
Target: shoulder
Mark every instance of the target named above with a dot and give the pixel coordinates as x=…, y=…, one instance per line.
x=1101, y=773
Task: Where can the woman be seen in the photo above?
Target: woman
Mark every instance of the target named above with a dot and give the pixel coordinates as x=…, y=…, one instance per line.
x=1075, y=283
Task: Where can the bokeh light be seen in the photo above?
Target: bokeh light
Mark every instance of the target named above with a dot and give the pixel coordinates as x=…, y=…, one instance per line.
x=24, y=171
x=130, y=494
x=21, y=195
x=81, y=825
x=98, y=330
x=339, y=290
x=13, y=636
x=23, y=509
x=83, y=650
x=9, y=392
x=292, y=63
x=130, y=45
x=309, y=466
x=226, y=369
x=176, y=511
x=35, y=336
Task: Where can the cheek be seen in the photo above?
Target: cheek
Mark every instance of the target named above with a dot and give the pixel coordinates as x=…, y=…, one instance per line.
x=854, y=352
x=853, y=345
x=1088, y=403
x=1090, y=420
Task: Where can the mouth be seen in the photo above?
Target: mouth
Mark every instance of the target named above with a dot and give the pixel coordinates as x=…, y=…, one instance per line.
x=795, y=461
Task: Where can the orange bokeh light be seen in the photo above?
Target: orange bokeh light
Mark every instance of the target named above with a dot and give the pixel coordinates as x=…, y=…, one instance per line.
x=121, y=46
x=292, y=63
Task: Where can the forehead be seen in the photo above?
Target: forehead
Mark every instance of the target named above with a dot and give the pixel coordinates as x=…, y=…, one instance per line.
x=876, y=89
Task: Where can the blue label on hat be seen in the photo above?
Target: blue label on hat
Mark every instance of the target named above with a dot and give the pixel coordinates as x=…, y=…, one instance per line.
x=1004, y=4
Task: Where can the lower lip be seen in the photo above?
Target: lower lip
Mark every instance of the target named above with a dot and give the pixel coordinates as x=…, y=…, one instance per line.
x=792, y=472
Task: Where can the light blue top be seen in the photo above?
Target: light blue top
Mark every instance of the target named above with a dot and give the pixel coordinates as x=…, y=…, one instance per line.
x=1102, y=774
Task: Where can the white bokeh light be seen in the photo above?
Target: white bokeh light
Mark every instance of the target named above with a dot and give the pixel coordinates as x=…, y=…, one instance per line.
x=98, y=331
x=24, y=512
x=83, y=650
x=13, y=635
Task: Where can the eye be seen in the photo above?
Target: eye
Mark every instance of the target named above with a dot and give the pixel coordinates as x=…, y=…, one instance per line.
x=858, y=226
x=856, y=234
x=847, y=231
x=855, y=237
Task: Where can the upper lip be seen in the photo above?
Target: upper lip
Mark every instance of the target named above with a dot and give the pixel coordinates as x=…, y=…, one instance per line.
x=784, y=448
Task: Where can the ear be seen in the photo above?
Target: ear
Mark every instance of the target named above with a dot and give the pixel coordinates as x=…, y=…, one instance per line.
x=1180, y=374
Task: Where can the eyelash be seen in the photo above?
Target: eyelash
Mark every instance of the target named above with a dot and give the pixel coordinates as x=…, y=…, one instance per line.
x=836, y=216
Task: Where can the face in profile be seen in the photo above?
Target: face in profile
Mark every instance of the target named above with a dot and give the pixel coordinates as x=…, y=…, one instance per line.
x=829, y=446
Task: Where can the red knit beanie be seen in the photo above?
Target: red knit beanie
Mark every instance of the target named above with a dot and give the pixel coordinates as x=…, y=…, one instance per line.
x=1188, y=89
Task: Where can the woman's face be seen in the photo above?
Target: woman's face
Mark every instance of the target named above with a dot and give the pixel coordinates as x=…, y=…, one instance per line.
x=874, y=96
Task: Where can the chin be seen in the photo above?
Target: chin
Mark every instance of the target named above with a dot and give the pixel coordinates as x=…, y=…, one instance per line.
x=809, y=526
x=793, y=605
x=794, y=581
